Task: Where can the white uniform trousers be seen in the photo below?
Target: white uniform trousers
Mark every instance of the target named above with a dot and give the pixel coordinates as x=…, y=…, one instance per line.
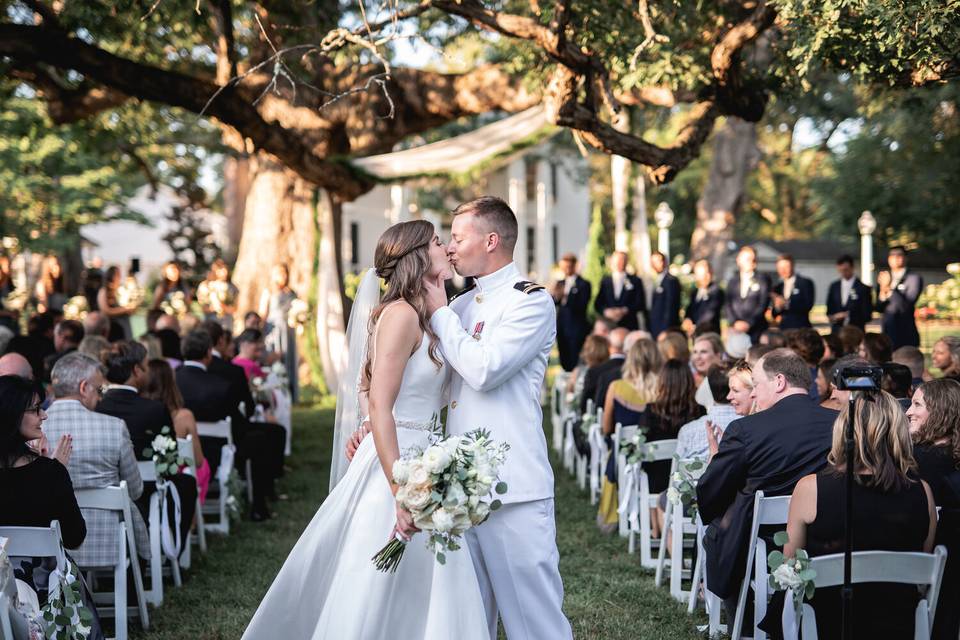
x=517, y=562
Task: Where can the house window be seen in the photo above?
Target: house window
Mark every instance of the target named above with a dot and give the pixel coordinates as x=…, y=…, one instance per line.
x=554, y=189
x=531, y=167
x=531, y=248
x=355, y=243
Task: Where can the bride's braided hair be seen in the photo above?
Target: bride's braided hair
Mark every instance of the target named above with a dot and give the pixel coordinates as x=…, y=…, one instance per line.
x=402, y=259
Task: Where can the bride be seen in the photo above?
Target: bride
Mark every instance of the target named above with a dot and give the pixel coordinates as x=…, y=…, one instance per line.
x=328, y=587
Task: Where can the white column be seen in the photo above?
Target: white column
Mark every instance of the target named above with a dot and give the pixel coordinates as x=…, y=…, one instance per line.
x=640, y=229
x=544, y=232
x=866, y=259
x=399, y=203
x=619, y=180
x=517, y=199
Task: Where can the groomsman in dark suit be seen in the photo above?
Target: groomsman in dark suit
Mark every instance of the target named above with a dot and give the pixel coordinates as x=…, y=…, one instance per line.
x=897, y=293
x=706, y=301
x=849, y=301
x=748, y=296
x=572, y=295
x=792, y=297
x=621, y=297
x=665, y=304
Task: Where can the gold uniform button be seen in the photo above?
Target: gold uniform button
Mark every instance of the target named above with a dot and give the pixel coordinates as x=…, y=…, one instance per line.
x=453, y=405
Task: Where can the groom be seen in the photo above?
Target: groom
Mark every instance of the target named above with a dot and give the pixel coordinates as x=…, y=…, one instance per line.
x=497, y=336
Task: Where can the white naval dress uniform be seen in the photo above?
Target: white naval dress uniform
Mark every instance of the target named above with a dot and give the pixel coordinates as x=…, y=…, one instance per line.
x=498, y=338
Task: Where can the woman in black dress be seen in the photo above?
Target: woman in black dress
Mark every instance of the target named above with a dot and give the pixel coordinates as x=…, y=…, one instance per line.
x=934, y=416
x=893, y=511
x=35, y=490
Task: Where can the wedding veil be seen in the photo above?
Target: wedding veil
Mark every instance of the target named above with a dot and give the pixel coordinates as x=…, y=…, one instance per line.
x=349, y=413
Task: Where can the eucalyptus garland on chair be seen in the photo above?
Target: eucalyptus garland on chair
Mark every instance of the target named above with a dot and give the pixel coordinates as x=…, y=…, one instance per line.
x=64, y=616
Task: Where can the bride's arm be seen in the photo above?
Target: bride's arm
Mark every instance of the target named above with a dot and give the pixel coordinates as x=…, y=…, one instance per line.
x=397, y=334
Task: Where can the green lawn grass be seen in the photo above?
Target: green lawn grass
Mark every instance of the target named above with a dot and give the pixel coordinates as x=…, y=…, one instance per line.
x=607, y=595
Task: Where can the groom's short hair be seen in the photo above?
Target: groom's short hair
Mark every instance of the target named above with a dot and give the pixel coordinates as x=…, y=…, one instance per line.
x=495, y=216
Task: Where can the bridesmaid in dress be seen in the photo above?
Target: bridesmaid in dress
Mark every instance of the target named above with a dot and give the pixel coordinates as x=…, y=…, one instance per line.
x=281, y=338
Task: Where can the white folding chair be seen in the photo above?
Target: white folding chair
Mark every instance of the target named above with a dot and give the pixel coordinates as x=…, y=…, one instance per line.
x=185, y=449
x=684, y=531
x=43, y=542
x=766, y=512
x=626, y=487
x=655, y=451
x=219, y=429
x=598, y=459
x=925, y=570
x=557, y=394
x=583, y=461
x=711, y=602
x=117, y=500
x=219, y=480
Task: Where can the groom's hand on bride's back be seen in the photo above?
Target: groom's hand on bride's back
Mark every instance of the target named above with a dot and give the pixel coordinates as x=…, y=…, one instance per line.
x=356, y=438
x=436, y=293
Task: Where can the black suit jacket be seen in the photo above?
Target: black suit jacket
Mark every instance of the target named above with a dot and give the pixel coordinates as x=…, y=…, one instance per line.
x=239, y=387
x=572, y=324
x=770, y=451
x=898, y=321
x=632, y=297
x=207, y=395
x=665, y=305
x=796, y=314
x=144, y=417
x=592, y=377
x=706, y=312
x=752, y=308
x=859, y=305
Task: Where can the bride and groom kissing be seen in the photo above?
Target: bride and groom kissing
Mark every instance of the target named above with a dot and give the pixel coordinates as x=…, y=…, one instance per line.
x=483, y=356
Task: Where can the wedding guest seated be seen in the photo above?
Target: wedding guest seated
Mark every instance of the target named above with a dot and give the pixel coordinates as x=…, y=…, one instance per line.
x=894, y=511
x=787, y=439
x=673, y=345
x=912, y=358
x=673, y=407
x=707, y=352
x=740, y=381
x=34, y=489
x=151, y=343
x=96, y=324
x=774, y=338
x=37, y=344
x=126, y=371
x=934, y=416
x=898, y=382
x=252, y=320
x=624, y=404
x=169, y=322
x=160, y=386
x=595, y=351
x=14, y=364
x=832, y=347
x=93, y=346
x=876, y=348
x=102, y=455
x=249, y=352
x=807, y=344
x=66, y=338
x=756, y=352
x=608, y=377
x=946, y=356
x=824, y=388
x=692, y=440
x=210, y=399
x=170, y=347
x=613, y=363
x=603, y=327
x=850, y=338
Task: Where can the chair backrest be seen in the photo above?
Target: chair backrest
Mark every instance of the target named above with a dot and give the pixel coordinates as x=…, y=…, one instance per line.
x=185, y=450
x=660, y=450
x=148, y=470
x=769, y=511
x=882, y=566
x=219, y=429
x=41, y=542
x=107, y=498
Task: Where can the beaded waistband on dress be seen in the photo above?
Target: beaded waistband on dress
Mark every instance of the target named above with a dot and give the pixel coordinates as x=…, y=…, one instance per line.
x=419, y=425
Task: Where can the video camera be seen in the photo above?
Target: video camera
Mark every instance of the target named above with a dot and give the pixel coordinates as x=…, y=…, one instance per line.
x=858, y=378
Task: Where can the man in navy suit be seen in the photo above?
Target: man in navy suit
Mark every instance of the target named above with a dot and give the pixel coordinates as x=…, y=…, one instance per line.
x=572, y=295
x=792, y=297
x=897, y=293
x=748, y=296
x=706, y=301
x=665, y=305
x=849, y=301
x=621, y=297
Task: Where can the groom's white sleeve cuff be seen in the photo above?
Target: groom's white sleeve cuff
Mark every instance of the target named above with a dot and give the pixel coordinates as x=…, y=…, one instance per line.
x=522, y=333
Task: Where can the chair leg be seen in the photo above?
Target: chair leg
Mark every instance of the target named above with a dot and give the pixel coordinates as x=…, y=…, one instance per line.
x=156, y=554
x=138, y=581
x=201, y=528
x=676, y=551
x=662, y=551
x=120, y=592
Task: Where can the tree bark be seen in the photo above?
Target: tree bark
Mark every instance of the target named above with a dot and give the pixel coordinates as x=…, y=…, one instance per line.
x=236, y=185
x=735, y=154
x=331, y=326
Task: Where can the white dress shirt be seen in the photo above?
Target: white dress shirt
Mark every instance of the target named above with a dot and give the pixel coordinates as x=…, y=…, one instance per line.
x=746, y=279
x=788, y=286
x=619, y=278
x=846, y=286
x=498, y=346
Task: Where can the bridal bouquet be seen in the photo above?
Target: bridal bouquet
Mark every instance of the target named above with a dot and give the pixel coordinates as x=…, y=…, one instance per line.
x=446, y=489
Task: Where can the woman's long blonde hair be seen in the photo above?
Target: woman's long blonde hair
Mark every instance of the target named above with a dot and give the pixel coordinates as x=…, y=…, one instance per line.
x=402, y=259
x=882, y=451
x=641, y=368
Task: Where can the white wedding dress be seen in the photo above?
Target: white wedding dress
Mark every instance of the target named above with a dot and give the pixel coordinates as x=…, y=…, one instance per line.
x=328, y=588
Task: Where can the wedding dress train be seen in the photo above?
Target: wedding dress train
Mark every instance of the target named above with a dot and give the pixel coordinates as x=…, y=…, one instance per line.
x=328, y=588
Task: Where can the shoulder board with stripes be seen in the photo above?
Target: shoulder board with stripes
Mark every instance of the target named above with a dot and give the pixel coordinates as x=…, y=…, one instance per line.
x=467, y=290
x=528, y=287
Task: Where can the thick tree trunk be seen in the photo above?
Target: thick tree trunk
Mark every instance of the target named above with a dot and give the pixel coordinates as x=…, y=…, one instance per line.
x=735, y=154
x=331, y=302
x=236, y=177
x=278, y=228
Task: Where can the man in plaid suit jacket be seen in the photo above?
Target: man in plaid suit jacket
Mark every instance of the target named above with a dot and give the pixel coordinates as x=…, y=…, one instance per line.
x=102, y=455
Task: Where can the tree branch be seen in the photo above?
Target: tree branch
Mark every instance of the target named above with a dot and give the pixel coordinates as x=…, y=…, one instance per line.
x=67, y=104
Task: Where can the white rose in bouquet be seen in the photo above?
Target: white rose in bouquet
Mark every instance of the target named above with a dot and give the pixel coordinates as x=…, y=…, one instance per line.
x=479, y=513
x=417, y=498
x=436, y=459
x=787, y=577
x=455, y=495
x=401, y=471
x=418, y=473
x=461, y=521
x=442, y=520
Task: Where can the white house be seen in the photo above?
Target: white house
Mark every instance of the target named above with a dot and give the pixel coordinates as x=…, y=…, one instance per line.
x=514, y=159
